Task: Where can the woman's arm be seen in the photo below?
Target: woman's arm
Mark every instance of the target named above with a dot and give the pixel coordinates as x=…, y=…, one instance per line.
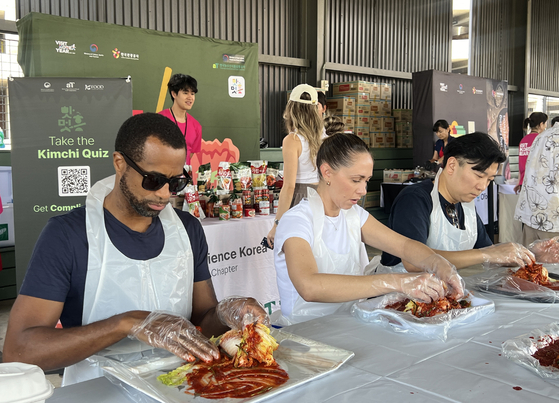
x=313, y=286
x=291, y=150
x=419, y=255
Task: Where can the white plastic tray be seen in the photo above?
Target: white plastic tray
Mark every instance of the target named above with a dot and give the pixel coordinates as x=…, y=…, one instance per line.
x=303, y=359
x=436, y=327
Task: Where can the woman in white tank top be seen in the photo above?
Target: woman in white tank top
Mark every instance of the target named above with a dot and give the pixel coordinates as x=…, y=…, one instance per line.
x=306, y=131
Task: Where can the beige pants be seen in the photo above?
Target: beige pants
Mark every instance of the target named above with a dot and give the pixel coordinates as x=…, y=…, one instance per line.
x=530, y=235
x=300, y=192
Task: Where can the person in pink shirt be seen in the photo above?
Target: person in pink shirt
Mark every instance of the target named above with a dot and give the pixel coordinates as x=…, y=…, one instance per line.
x=183, y=89
x=537, y=123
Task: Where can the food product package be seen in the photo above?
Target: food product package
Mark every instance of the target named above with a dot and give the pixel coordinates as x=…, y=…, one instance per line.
x=241, y=176
x=521, y=348
x=192, y=202
x=258, y=169
x=204, y=177
x=272, y=174
x=224, y=183
x=500, y=281
x=436, y=327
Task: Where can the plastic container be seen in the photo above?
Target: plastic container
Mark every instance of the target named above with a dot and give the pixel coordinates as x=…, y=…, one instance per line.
x=6, y=192
x=23, y=383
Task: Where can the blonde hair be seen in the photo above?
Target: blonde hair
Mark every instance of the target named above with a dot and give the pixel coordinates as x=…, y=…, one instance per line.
x=304, y=119
x=333, y=125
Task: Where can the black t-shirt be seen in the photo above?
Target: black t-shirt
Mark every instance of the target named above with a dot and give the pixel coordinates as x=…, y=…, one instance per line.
x=58, y=265
x=410, y=216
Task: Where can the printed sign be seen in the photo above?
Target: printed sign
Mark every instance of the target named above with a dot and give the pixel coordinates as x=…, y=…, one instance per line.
x=65, y=148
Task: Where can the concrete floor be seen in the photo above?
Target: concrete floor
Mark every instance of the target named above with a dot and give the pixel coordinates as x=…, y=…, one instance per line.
x=55, y=379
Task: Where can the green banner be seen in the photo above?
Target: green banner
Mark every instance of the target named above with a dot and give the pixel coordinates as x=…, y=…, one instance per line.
x=64, y=133
x=227, y=103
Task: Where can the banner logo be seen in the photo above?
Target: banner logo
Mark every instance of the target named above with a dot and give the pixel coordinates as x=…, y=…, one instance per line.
x=93, y=52
x=94, y=87
x=460, y=89
x=238, y=59
x=475, y=91
x=236, y=86
x=63, y=47
x=119, y=54
x=71, y=119
x=46, y=84
x=444, y=87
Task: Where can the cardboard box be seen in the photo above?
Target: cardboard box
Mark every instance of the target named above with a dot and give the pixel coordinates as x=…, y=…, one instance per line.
x=370, y=200
x=350, y=86
x=362, y=121
x=387, y=123
x=390, y=139
x=341, y=105
x=400, y=115
x=381, y=107
x=363, y=110
x=375, y=123
x=374, y=91
x=377, y=140
x=397, y=175
x=349, y=122
x=404, y=141
x=362, y=131
x=403, y=127
x=386, y=91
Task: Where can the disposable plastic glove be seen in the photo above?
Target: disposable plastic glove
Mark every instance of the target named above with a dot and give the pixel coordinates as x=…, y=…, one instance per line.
x=174, y=334
x=446, y=272
x=422, y=287
x=508, y=254
x=546, y=250
x=237, y=312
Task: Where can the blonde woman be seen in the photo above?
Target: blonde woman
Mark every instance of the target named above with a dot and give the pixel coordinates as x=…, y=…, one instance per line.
x=306, y=131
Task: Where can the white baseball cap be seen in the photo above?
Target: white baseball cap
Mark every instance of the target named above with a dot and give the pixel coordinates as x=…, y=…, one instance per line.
x=295, y=95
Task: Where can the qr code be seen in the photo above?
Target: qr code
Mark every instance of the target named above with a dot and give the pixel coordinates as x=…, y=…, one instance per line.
x=73, y=181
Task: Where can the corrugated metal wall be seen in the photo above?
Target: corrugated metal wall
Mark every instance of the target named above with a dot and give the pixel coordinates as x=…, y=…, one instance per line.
x=492, y=40
x=398, y=35
x=544, y=56
x=270, y=23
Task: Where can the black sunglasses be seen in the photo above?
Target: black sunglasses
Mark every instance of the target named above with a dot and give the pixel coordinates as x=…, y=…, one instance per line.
x=153, y=182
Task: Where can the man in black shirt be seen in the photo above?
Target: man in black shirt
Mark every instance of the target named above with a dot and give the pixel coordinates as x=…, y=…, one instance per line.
x=125, y=265
x=442, y=214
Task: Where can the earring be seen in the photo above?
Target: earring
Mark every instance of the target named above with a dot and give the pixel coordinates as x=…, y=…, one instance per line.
x=328, y=183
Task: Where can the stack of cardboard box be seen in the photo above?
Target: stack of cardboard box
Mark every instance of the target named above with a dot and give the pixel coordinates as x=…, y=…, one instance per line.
x=403, y=128
x=369, y=116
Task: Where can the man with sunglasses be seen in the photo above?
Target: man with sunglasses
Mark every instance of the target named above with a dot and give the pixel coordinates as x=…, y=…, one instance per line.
x=125, y=273
x=442, y=214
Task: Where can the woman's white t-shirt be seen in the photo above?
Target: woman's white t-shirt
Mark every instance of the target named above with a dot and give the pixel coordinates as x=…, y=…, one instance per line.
x=297, y=223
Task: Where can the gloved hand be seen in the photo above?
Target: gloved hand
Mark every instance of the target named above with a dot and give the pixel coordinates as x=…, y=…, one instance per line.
x=422, y=287
x=546, y=250
x=508, y=254
x=237, y=312
x=446, y=272
x=174, y=334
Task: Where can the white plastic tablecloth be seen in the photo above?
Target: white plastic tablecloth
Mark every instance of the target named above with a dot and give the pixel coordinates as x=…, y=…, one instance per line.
x=391, y=367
